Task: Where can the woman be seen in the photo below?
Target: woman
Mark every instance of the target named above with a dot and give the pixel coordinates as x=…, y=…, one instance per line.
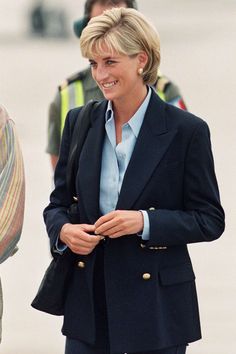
x=146, y=188
x=12, y=191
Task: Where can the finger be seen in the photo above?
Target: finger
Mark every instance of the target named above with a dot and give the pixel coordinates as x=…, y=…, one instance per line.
x=107, y=226
x=76, y=243
x=87, y=227
x=82, y=235
x=82, y=238
x=70, y=230
x=85, y=248
x=105, y=218
x=95, y=239
x=83, y=245
x=113, y=230
x=117, y=234
x=82, y=250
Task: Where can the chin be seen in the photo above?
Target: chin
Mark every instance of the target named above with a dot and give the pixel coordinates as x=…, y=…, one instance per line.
x=109, y=96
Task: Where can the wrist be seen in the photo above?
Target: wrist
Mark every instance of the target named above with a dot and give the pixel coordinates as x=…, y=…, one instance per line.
x=141, y=222
x=63, y=232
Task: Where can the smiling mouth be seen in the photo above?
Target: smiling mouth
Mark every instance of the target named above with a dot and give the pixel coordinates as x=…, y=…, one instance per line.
x=109, y=84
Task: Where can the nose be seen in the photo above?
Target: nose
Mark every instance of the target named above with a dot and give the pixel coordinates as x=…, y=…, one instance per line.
x=100, y=73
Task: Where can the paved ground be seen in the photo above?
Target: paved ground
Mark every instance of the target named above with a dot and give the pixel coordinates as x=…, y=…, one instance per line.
x=198, y=52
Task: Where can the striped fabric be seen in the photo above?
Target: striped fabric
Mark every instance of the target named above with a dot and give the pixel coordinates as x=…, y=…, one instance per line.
x=12, y=187
x=12, y=192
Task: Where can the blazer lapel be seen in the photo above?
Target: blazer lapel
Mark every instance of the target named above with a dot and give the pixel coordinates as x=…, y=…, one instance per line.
x=152, y=143
x=90, y=164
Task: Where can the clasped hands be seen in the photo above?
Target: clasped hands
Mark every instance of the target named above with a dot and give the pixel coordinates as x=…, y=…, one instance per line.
x=83, y=238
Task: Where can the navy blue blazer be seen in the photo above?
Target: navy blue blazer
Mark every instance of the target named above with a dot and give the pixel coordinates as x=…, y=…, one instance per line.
x=171, y=175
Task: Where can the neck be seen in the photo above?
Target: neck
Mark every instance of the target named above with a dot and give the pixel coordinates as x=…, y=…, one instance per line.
x=125, y=108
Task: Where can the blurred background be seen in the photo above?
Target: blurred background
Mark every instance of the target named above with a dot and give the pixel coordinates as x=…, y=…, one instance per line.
x=199, y=54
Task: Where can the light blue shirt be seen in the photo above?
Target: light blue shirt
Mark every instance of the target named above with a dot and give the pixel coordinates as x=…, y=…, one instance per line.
x=115, y=159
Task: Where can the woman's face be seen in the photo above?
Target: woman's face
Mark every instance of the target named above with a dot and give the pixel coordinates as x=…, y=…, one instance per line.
x=117, y=75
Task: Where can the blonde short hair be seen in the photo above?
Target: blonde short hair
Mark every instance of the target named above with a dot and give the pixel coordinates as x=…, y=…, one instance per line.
x=124, y=31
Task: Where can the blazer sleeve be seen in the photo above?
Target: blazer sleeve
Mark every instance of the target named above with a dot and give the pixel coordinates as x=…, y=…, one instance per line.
x=202, y=218
x=55, y=214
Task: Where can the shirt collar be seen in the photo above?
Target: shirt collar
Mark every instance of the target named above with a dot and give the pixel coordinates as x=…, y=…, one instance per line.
x=109, y=111
x=136, y=120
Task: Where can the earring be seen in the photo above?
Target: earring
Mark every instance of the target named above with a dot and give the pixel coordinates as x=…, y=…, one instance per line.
x=140, y=71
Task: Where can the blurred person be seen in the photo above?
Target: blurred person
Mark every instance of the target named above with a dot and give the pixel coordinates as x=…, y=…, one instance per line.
x=37, y=19
x=79, y=88
x=12, y=192
x=48, y=19
x=146, y=188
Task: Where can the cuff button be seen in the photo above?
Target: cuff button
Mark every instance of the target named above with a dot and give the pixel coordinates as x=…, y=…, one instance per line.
x=146, y=276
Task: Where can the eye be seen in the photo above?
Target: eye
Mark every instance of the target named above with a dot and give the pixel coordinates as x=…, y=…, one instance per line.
x=110, y=62
x=92, y=63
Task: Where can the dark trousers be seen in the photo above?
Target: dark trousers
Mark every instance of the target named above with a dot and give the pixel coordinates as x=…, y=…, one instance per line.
x=101, y=346
x=76, y=347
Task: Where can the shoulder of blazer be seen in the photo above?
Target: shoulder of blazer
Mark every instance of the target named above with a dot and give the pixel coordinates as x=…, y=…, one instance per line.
x=177, y=117
x=165, y=117
x=99, y=110
x=72, y=117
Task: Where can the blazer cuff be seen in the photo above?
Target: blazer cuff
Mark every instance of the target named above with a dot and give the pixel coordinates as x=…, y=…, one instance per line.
x=59, y=247
x=145, y=234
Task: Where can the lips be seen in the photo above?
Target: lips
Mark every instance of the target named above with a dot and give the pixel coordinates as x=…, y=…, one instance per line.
x=109, y=84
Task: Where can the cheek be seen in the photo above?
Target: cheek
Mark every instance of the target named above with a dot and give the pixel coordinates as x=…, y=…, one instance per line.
x=93, y=74
x=132, y=77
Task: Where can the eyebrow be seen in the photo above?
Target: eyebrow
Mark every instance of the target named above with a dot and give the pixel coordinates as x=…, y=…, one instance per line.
x=107, y=58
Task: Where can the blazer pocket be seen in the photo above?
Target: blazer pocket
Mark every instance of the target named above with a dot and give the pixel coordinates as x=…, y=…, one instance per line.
x=180, y=273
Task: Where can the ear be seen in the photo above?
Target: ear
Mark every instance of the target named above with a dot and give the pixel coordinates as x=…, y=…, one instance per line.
x=142, y=59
